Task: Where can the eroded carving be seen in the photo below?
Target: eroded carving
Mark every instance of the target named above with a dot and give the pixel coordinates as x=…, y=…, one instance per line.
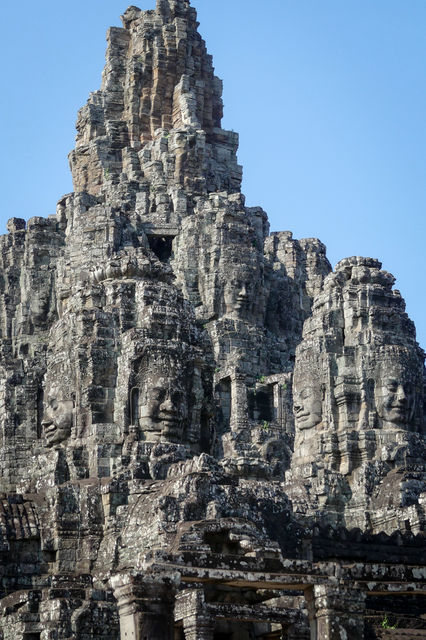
x=151, y=354
x=58, y=413
x=398, y=388
x=165, y=384
x=358, y=387
x=308, y=403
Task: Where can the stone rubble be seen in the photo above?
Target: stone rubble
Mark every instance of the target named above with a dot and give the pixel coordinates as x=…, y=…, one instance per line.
x=206, y=434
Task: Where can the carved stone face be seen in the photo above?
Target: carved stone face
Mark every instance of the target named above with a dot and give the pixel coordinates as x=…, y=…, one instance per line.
x=58, y=415
x=236, y=295
x=307, y=404
x=163, y=405
x=241, y=293
x=398, y=387
x=395, y=398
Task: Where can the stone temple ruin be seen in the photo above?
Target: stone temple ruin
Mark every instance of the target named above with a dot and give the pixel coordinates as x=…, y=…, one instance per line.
x=206, y=433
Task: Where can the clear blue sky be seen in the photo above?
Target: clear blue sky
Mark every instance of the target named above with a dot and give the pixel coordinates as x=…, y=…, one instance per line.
x=329, y=98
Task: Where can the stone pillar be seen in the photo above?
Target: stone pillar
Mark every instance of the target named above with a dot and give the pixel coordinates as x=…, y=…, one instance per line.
x=191, y=609
x=336, y=613
x=198, y=628
x=238, y=401
x=278, y=404
x=145, y=606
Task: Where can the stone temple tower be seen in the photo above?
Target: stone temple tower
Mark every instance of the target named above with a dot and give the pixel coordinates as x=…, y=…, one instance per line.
x=206, y=433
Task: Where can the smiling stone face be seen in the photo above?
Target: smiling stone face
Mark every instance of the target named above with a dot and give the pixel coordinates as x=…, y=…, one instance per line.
x=395, y=400
x=164, y=388
x=58, y=414
x=237, y=294
x=397, y=388
x=307, y=404
x=242, y=295
x=308, y=387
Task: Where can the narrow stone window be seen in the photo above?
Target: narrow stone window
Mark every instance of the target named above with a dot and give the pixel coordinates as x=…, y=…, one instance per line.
x=49, y=556
x=161, y=246
x=223, y=391
x=133, y=406
x=205, y=435
x=261, y=403
x=265, y=403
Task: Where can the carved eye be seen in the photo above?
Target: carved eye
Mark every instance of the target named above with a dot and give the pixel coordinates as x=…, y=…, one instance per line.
x=176, y=397
x=53, y=404
x=158, y=394
x=392, y=385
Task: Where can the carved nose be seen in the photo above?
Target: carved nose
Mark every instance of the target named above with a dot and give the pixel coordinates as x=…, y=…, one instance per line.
x=401, y=395
x=167, y=404
x=243, y=292
x=47, y=416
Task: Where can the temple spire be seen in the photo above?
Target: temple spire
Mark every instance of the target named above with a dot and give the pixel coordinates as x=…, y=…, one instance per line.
x=171, y=9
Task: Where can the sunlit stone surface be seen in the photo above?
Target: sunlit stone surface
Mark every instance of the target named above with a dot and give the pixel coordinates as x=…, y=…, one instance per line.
x=206, y=433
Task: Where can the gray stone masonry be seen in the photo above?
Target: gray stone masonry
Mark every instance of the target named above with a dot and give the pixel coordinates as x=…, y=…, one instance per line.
x=206, y=433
